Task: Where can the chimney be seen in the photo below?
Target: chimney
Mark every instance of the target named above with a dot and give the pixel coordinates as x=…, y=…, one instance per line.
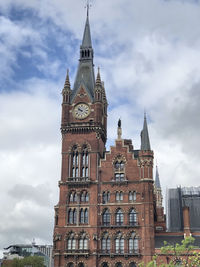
x=186, y=221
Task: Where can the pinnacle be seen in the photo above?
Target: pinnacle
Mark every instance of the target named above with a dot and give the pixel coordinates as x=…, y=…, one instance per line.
x=98, y=79
x=67, y=82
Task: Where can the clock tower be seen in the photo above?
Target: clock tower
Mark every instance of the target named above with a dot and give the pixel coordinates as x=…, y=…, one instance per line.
x=84, y=133
x=105, y=214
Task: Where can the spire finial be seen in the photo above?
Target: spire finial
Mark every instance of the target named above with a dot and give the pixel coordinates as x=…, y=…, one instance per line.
x=67, y=82
x=119, y=129
x=88, y=5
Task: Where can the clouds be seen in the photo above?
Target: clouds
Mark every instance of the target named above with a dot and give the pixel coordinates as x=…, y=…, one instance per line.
x=148, y=52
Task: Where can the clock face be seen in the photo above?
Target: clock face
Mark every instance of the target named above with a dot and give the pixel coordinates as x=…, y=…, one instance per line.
x=81, y=111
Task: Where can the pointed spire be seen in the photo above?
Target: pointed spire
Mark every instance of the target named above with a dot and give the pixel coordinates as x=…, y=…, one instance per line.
x=85, y=73
x=87, y=41
x=67, y=82
x=145, y=143
x=98, y=79
x=157, y=178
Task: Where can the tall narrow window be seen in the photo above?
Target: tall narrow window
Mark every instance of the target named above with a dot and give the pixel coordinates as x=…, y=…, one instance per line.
x=119, y=243
x=105, y=243
x=106, y=217
x=75, y=162
x=119, y=196
x=105, y=197
x=119, y=217
x=72, y=216
x=119, y=167
x=71, y=242
x=83, y=242
x=132, y=217
x=84, y=163
x=132, y=196
x=82, y=215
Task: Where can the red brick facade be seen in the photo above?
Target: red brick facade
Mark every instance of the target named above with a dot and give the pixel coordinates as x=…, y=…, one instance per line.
x=107, y=207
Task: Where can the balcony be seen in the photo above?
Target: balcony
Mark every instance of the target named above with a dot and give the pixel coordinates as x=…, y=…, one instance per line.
x=77, y=252
x=120, y=225
x=78, y=181
x=123, y=253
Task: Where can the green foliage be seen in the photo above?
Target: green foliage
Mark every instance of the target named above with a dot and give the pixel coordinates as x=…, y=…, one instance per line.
x=183, y=255
x=31, y=261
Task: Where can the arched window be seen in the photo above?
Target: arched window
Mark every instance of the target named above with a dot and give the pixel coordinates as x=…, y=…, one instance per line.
x=133, y=245
x=105, y=197
x=104, y=264
x=75, y=197
x=119, y=217
x=132, y=196
x=84, y=162
x=84, y=216
x=119, y=196
x=71, y=197
x=105, y=243
x=132, y=264
x=75, y=162
x=119, y=243
x=71, y=242
x=81, y=264
x=84, y=196
x=106, y=217
x=132, y=217
x=72, y=216
x=118, y=264
x=83, y=242
x=70, y=264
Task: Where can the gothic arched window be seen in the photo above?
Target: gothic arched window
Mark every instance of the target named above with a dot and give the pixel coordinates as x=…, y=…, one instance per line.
x=105, y=197
x=72, y=216
x=81, y=264
x=85, y=163
x=75, y=162
x=119, y=217
x=84, y=216
x=70, y=264
x=105, y=243
x=118, y=264
x=106, y=217
x=84, y=196
x=104, y=264
x=119, y=243
x=71, y=242
x=83, y=242
x=132, y=264
x=132, y=217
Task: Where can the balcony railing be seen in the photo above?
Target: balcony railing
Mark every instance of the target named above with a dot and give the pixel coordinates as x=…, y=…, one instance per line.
x=119, y=225
x=78, y=180
x=77, y=251
x=120, y=252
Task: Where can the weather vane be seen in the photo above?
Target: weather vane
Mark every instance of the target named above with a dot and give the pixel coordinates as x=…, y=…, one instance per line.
x=88, y=6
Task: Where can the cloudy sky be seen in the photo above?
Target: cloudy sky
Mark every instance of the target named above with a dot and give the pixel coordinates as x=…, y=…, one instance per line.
x=149, y=55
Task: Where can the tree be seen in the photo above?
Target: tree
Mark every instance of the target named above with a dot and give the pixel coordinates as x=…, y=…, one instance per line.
x=31, y=261
x=184, y=254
